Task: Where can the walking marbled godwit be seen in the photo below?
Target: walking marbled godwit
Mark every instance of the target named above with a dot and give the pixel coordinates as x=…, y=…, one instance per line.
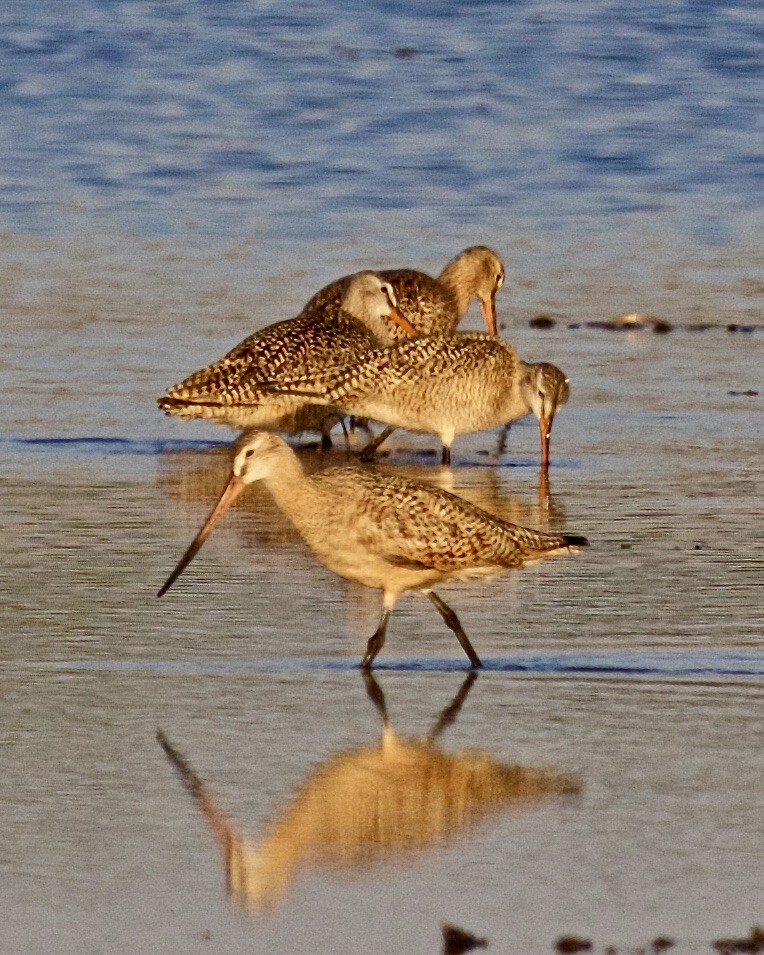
x=440, y=384
x=298, y=346
x=381, y=531
x=435, y=306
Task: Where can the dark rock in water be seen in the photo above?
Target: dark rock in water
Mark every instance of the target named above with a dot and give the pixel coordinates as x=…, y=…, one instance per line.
x=744, y=394
x=662, y=943
x=456, y=940
x=569, y=944
x=405, y=52
x=661, y=327
x=753, y=944
x=542, y=321
x=742, y=329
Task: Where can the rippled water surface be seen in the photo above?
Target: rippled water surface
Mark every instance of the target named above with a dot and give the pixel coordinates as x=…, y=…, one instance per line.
x=178, y=174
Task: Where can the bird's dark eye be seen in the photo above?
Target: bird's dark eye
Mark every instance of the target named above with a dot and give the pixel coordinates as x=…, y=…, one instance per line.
x=499, y=280
x=249, y=452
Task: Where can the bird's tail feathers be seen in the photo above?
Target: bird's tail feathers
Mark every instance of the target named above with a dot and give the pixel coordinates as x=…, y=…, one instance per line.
x=575, y=540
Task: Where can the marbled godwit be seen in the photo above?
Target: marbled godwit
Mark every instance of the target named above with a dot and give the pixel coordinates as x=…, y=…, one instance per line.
x=382, y=531
x=440, y=384
x=435, y=305
x=376, y=803
x=298, y=346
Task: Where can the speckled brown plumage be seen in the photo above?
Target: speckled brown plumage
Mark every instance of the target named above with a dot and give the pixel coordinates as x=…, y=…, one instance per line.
x=381, y=530
x=435, y=306
x=444, y=385
x=304, y=345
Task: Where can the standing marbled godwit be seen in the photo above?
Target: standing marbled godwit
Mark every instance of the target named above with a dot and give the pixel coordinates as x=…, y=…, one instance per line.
x=382, y=531
x=298, y=346
x=440, y=384
x=435, y=305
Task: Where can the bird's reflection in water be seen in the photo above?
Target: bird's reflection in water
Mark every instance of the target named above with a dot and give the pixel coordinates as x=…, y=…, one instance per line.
x=384, y=802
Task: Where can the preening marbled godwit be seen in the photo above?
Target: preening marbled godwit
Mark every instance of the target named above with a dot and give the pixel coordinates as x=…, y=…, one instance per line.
x=440, y=384
x=382, y=531
x=297, y=346
x=384, y=802
x=435, y=305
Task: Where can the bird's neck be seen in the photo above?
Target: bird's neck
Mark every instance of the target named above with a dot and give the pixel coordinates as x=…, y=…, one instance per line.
x=286, y=477
x=460, y=277
x=290, y=486
x=528, y=388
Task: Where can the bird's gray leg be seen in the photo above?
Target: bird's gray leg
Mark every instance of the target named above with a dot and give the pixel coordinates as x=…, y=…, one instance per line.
x=326, y=426
x=345, y=432
x=450, y=713
x=376, y=640
x=363, y=423
x=452, y=622
x=504, y=434
x=368, y=452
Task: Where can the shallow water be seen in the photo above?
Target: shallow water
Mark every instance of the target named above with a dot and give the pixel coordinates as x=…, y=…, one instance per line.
x=188, y=176
x=636, y=666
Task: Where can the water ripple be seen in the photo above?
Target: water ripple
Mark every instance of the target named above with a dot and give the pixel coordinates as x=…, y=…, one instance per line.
x=679, y=664
x=83, y=446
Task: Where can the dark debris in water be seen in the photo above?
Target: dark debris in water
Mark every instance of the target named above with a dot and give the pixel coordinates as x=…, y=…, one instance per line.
x=570, y=944
x=662, y=944
x=456, y=940
x=744, y=394
x=753, y=943
x=636, y=321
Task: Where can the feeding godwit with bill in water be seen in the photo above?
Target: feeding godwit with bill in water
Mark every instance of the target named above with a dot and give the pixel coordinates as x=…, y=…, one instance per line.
x=440, y=384
x=382, y=531
x=298, y=346
x=435, y=306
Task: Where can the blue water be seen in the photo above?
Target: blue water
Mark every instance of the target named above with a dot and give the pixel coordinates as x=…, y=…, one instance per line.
x=330, y=119
x=695, y=663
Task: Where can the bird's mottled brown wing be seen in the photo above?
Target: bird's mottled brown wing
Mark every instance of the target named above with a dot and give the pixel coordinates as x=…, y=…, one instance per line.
x=411, y=361
x=291, y=348
x=328, y=299
x=413, y=524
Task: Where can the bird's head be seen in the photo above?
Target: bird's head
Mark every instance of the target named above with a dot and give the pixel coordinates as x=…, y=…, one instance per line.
x=373, y=302
x=546, y=390
x=479, y=271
